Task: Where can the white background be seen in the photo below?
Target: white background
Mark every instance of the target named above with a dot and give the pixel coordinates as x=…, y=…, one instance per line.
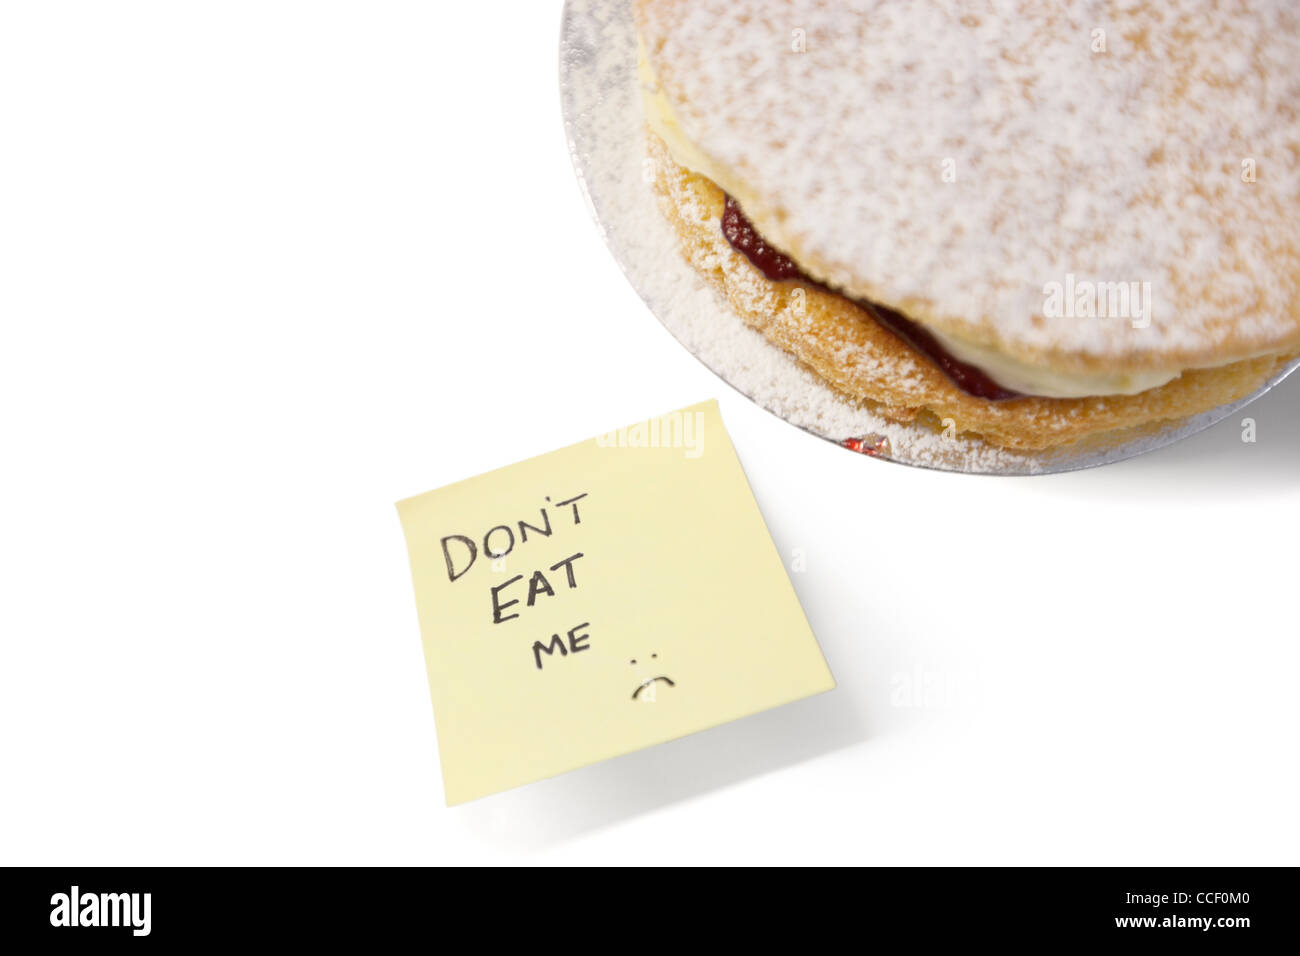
x=268, y=267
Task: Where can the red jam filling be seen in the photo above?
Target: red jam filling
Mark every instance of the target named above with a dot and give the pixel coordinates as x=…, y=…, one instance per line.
x=744, y=238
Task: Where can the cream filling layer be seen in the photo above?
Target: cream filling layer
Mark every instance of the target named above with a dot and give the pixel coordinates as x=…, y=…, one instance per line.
x=1029, y=379
x=1006, y=370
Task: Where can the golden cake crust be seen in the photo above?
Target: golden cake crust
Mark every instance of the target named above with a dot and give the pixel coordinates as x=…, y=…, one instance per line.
x=866, y=362
x=1121, y=164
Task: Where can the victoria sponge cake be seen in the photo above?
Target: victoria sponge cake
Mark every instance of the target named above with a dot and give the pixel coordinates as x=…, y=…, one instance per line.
x=1040, y=221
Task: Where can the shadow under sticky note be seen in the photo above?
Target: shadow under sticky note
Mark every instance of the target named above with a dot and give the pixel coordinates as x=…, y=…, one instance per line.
x=605, y=597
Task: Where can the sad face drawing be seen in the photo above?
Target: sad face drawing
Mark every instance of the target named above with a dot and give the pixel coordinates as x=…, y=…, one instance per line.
x=646, y=691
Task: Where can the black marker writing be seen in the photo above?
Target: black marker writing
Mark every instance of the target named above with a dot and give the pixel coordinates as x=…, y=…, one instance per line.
x=537, y=585
x=461, y=551
x=577, y=643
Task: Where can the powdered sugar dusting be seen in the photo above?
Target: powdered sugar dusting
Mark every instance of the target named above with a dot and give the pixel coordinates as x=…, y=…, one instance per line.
x=1110, y=156
x=605, y=130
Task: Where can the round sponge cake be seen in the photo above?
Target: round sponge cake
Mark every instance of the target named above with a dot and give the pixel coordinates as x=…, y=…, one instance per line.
x=862, y=359
x=996, y=175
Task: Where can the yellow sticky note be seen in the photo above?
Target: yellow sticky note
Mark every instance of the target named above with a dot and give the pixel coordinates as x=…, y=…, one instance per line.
x=605, y=597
